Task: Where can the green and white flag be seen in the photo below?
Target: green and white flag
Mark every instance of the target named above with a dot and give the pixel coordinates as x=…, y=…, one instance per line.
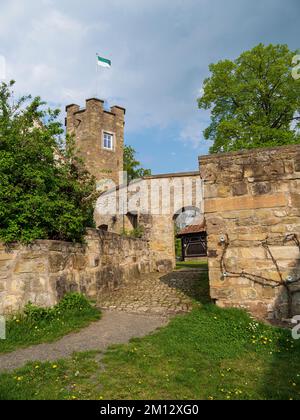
x=103, y=62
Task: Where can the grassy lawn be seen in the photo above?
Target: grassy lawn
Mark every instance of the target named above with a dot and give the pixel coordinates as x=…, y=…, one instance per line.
x=191, y=264
x=38, y=325
x=208, y=354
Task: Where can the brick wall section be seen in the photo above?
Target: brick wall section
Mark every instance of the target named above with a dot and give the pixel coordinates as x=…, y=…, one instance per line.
x=250, y=197
x=45, y=271
x=88, y=125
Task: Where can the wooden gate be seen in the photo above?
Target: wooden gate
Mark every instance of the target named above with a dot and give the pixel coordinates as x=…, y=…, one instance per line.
x=194, y=246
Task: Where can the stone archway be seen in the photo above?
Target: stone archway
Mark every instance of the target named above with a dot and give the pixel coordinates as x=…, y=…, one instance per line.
x=190, y=238
x=165, y=197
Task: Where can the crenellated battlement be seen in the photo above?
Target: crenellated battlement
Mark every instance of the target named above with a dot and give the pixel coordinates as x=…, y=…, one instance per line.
x=94, y=104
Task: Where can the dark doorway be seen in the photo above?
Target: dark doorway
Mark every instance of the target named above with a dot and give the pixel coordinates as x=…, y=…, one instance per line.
x=194, y=242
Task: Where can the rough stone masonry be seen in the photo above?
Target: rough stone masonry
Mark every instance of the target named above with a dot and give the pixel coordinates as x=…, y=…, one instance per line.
x=252, y=210
x=43, y=272
x=88, y=125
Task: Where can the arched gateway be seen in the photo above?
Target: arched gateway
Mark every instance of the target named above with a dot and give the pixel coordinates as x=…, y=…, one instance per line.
x=147, y=208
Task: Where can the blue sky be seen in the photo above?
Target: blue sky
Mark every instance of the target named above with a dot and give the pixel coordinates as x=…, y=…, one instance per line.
x=160, y=51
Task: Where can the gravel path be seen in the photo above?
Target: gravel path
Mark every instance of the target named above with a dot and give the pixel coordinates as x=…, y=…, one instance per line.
x=113, y=328
x=134, y=310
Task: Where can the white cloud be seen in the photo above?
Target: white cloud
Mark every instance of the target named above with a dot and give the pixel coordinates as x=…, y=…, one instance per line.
x=160, y=51
x=192, y=133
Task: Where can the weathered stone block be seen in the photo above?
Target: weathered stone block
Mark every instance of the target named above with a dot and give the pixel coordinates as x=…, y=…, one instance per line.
x=295, y=200
x=245, y=203
x=285, y=252
x=224, y=191
x=240, y=188
x=57, y=261
x=261, y=188
x=297, y=163
x=289, y=166
x=221, y=293
x=30, y=266
x=79, y=261
x=248, y=294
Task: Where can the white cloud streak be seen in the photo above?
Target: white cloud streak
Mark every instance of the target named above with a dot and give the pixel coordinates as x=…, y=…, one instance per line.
x=160, y=51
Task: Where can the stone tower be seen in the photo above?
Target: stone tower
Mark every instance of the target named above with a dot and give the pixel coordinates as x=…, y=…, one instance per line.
x=99, y=136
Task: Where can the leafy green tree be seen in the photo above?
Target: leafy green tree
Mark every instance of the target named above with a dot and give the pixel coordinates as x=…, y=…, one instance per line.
x=254, y=100
x=132, y=166
x=45, y=191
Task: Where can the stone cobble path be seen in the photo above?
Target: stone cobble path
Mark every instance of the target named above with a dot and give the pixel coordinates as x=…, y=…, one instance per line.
x=159, y=294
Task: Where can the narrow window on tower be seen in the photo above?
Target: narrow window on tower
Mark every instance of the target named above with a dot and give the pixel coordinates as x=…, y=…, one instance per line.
x=108, y=141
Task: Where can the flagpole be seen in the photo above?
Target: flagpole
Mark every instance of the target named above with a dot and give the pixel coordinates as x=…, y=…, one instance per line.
x=101, y=62
x=97, y=77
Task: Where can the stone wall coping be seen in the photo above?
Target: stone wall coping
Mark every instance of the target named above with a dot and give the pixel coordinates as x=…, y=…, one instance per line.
x=71, y=106
x=96, y=233
x=173, y=175
x=145, y=178
x=17, y=245
x=119, y=107
x=217, y=156
x=95, y=99
x=109, y=112
x=81, y=111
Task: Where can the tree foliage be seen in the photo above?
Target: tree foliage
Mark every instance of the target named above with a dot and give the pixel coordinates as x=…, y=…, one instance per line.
x=45, y=193
x=254, y=100
x=132, y=166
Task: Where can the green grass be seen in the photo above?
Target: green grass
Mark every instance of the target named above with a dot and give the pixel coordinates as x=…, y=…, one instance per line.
x=192, y=264
x=47, y=325
x=208, y=354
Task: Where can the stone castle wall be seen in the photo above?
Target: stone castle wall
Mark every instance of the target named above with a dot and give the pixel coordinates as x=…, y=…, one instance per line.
x=45, y=271
x=163, y=196
x=252, y=210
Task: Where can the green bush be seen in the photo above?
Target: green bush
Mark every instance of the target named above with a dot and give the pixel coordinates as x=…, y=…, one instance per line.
x=46, y=192
x=70, y=302
x=73, y=301
x=178, y=248
x=40, y=325
x=137, y=233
